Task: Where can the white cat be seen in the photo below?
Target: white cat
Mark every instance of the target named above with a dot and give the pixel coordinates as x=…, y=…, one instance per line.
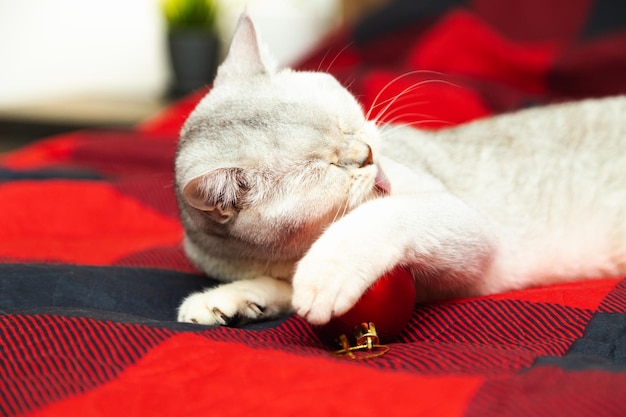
x=297, y=202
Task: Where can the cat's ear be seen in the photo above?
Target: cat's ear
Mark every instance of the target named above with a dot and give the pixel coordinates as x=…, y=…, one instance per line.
x=247, y=54
x=218, y=193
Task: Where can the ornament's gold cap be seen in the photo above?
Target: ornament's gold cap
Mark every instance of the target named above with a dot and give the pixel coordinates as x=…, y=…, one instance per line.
x=367, y=343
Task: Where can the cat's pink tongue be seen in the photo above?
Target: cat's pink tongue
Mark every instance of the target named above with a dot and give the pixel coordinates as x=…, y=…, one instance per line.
x=381, y=182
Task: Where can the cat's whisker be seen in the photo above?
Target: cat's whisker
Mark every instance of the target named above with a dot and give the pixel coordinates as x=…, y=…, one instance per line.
x=393, y=128
x=410, y=88
x=337, y=56
x=413, y=119
x=423, y=122
x=319, y=66
x=382, y=90
x=398, y=78
x=360, y=192
x=343, y=208
x=404, y=92
x=397, y=109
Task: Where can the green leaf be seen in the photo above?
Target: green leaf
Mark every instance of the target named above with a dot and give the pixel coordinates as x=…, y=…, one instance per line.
x=189, y=14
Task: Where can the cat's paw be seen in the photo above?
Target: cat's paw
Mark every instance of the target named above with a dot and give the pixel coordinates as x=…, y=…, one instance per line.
x=237, y=303
x=219, y=306
x=325, y=288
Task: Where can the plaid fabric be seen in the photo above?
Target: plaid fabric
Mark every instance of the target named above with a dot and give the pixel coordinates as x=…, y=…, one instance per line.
x=92, y=270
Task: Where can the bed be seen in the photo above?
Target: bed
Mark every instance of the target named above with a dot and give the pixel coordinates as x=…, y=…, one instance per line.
x=92, y=269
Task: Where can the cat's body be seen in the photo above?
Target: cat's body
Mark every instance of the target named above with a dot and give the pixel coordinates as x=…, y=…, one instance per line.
x=294, y=200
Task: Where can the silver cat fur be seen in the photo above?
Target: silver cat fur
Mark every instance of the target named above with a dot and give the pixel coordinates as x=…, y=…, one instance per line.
x=296, y=202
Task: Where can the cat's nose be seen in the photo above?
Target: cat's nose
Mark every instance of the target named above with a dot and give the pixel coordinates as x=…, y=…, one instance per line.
x=356, y=154
x=369, y=158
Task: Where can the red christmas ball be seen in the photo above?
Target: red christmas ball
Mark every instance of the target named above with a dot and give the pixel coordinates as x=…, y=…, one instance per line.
x=388, y=303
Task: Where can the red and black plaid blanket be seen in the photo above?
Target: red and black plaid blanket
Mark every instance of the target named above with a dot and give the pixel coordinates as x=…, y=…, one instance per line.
x=92, y=269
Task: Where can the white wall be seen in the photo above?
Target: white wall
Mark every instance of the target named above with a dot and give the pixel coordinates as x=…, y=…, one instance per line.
x=80, y=47
x=116, y=48
x=289, y=27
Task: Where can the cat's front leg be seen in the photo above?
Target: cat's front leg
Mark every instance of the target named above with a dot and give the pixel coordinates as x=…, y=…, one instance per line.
x=435, y=232
x=238, y=302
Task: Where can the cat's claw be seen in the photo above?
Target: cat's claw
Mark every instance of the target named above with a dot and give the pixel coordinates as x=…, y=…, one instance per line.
x=237, y=302
x=219, y=306
x=220, y=317
x=256, y=310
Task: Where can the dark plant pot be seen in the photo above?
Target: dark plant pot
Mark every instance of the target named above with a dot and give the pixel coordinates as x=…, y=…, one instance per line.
x=193, y=55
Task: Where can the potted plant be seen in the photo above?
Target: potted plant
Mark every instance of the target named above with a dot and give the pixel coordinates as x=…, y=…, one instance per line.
x=192, y=43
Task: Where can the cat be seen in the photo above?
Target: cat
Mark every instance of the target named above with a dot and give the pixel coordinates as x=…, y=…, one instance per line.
x=297, y=203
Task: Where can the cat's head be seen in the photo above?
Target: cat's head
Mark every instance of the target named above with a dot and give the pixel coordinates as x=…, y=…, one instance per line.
x=271, y=156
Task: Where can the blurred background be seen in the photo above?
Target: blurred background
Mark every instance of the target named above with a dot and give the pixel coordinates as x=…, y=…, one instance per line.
x=71, y=64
